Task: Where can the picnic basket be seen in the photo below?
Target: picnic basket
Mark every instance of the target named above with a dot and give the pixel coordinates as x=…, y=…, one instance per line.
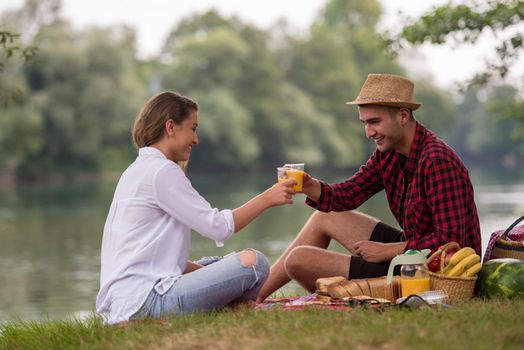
x=457, y=287
x=508, y=244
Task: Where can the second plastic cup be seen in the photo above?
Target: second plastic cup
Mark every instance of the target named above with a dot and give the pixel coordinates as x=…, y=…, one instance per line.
x=292, y=171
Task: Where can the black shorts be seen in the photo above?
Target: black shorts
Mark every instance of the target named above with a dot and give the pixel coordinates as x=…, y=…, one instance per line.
x=359, y=268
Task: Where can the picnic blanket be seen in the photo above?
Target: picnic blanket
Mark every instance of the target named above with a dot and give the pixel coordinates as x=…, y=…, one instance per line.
x=432, y=299
x=314, y=300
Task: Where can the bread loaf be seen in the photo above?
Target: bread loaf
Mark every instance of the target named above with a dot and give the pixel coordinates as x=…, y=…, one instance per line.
x=323, y=283
x=373, y=287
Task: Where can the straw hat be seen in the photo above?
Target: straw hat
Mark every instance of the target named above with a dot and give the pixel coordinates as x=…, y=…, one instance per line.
x=387, y=90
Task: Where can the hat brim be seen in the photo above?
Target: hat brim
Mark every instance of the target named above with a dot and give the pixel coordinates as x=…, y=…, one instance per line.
x=410, y=105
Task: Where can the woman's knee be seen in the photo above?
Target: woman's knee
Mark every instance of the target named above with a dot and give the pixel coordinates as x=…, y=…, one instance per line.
x=251, y=257
x=248, y=257
x=257, y=260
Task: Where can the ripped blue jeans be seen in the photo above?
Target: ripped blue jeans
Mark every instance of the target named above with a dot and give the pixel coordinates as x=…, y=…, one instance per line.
x=209, y=288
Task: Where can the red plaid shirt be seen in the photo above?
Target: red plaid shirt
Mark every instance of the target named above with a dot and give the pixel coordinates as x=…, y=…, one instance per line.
x=429, y=193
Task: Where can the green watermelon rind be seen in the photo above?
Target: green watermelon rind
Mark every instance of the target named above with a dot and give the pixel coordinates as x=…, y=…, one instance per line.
x=502, y=278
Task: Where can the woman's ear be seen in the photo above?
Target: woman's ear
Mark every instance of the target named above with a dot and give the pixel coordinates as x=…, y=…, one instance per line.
x=169, y=127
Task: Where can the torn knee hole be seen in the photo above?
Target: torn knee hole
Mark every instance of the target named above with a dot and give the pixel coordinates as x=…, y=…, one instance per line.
x=248, y=258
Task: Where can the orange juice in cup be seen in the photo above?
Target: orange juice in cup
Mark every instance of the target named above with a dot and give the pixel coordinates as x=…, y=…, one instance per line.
x=292, y=171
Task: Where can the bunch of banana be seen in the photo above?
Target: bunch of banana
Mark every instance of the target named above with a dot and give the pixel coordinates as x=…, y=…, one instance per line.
x=464, y=263
x=451, y=260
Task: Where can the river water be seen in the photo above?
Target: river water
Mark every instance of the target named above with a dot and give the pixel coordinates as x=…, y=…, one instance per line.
x=50, y=236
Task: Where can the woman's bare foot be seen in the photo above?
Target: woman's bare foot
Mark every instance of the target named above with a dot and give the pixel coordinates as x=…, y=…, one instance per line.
x=241, y=305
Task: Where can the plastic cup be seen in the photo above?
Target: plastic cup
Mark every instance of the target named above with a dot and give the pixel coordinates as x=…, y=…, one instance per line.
x=297, y=166
x=292, y=171
x=432, y=297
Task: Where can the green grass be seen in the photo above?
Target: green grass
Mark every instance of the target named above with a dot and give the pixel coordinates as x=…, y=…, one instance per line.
x=475, y=324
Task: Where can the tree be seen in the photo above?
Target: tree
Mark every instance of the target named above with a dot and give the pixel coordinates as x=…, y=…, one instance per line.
x=250, y=113
x=225, y=132
x=483, y=129
x=10, y=47
x=465, y=23
x=322, y=65
x=260, y=105
x=333, y=61
x=437, y=112
x=82, y=95
x=354, y=23
x=28, y=20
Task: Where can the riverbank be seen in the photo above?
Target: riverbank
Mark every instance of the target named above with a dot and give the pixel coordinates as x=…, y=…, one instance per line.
x=475, y=324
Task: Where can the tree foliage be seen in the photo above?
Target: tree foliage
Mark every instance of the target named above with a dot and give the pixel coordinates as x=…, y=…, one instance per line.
x=266, y=97
x=80, y=98
x=11, y=48
x=278, y=122
x=464, y=23
x=483, y=132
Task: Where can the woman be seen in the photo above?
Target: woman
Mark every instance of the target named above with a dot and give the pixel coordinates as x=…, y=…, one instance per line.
x=145, y=247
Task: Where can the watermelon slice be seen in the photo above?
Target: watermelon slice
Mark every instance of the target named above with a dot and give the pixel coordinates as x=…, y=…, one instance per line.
x=501, y=278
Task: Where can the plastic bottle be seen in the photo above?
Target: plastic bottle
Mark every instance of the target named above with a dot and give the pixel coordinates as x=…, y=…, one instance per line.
x=414, y=278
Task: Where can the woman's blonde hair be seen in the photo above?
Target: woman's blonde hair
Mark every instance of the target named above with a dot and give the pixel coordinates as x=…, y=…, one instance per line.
x=149, y=124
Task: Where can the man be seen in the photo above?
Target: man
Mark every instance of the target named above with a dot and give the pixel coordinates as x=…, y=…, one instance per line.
x=426, y=184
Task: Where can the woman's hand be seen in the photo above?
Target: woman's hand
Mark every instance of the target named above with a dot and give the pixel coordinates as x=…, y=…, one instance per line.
x=280, y=193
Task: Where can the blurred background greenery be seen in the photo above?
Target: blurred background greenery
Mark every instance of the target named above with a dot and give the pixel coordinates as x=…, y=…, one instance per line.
x=267, y=96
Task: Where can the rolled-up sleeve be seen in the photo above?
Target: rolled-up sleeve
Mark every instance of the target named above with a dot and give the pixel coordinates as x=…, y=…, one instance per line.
x=177, y=197
x=350, y=194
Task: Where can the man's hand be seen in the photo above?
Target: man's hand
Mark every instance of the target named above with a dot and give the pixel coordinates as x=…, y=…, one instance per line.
x=377, y=252
x=311, y=187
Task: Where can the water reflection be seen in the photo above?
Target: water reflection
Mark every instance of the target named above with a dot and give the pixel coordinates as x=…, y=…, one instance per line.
x=50, y=237
x=49, y=250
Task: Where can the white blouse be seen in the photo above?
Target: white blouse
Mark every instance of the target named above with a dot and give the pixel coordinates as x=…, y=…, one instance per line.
x=147, y=233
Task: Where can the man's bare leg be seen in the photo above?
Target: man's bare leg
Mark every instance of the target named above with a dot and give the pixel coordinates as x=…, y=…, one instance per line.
x=305, y=264
x=345, y=227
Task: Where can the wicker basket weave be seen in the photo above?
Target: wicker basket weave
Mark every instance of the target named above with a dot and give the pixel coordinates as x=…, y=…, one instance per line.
x=458, y=288
x=510, y=244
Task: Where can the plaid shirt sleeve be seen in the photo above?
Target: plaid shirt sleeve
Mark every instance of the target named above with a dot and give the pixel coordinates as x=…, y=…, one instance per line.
x=351, y=193
x=447, y=191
